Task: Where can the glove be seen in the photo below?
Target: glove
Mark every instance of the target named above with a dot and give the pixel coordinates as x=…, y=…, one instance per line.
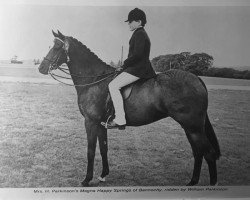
x=118, y=69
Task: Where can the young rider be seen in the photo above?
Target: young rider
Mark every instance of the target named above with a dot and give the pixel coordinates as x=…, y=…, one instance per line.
x=135, y=67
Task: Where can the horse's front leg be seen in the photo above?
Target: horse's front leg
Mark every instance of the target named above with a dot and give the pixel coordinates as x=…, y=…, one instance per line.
x=92, y=131
x=103, y=144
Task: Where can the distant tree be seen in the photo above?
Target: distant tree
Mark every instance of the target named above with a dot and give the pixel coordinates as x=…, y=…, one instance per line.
x=186, y=54
x=197, y=63
x=161, y=63
x=227, y=73
x=246, y=75
x=179, y=61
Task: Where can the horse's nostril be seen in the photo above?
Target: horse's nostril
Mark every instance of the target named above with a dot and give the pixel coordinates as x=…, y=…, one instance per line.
x=43, y=69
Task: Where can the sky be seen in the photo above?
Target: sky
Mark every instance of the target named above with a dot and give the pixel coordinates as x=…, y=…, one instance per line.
x=220, y=30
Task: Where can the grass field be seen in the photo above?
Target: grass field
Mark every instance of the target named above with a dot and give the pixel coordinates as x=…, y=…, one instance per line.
x=43, y=142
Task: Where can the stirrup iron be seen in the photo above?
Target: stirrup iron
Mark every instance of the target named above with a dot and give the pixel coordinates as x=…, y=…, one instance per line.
x=106, y=124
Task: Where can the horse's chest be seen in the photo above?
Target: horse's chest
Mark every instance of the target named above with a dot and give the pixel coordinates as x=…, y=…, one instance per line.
x=90, y=111
x=91, y=106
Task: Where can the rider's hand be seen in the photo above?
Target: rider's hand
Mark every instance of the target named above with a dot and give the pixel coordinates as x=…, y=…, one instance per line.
x=118, y=69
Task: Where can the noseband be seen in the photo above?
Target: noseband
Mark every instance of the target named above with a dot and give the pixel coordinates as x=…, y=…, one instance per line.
x=54, y=63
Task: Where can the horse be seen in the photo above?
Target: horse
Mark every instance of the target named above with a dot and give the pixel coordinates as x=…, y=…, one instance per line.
x=175, y=93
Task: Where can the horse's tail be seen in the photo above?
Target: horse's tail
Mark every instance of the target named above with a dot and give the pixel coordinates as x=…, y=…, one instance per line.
x=212, y=137
x=210, y=130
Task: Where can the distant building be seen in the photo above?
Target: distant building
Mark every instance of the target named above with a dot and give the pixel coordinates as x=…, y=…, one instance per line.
x=15, y=61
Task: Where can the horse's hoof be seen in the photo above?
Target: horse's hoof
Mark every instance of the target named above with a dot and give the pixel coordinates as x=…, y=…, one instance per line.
x=85, y=184
x=192, y=183
x=101, y=179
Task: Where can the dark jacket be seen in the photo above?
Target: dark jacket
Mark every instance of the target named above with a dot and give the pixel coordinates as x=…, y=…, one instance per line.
x=138, y=63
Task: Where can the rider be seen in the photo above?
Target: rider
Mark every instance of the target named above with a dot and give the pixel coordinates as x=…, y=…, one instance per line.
x=135, y=67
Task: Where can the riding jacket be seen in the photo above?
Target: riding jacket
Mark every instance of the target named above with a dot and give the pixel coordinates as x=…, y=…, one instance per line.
x=138, y=63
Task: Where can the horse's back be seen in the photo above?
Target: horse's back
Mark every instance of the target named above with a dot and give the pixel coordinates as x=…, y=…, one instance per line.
x=176, y=77
x=174, y=82
x=166, y=94
x=181, y=83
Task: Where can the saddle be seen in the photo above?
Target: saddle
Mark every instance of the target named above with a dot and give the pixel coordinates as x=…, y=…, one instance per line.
x=109, y=107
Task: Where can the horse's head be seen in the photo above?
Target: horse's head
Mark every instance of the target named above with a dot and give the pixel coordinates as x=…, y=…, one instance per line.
x=56, y=56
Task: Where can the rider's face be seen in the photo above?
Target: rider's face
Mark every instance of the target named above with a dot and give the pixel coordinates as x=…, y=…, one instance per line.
x=134, y=25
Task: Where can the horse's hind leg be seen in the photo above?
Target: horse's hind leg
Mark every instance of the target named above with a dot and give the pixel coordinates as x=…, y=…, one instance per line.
x=197, y=170
x=201, y=148
x=210, y=157
x=214, y=153
x=195, y=139
x=212, y=170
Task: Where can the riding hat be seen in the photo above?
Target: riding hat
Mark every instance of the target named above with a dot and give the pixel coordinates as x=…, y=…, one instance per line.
x=135, y=15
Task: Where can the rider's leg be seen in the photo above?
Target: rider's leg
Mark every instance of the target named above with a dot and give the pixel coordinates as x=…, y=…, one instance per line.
x=115, y=85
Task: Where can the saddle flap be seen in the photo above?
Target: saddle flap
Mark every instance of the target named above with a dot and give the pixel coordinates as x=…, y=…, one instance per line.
x=126, y=91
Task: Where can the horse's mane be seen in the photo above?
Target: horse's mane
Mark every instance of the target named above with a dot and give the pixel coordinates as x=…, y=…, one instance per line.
x=84, y=49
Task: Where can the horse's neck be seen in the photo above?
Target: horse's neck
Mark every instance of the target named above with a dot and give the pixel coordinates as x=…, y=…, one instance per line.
x=85, y=71
x=86, y=61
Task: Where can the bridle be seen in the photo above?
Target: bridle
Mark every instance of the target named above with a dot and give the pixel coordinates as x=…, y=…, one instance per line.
x=54, y=65
x=54, y=62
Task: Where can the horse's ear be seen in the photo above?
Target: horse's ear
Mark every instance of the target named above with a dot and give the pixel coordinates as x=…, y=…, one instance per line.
x=55, y=34
x=60, y=35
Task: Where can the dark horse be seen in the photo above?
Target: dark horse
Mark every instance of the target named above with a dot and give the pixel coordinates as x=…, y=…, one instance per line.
x=176, y=94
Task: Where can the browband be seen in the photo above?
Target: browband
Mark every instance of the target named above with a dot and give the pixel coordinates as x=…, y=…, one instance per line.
x=57, y=38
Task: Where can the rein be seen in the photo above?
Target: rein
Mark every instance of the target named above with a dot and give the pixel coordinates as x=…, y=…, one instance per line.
x=54, y=76
x=65, y=69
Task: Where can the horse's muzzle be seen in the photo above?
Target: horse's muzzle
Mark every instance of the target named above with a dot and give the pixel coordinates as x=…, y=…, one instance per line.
x=43, y=69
